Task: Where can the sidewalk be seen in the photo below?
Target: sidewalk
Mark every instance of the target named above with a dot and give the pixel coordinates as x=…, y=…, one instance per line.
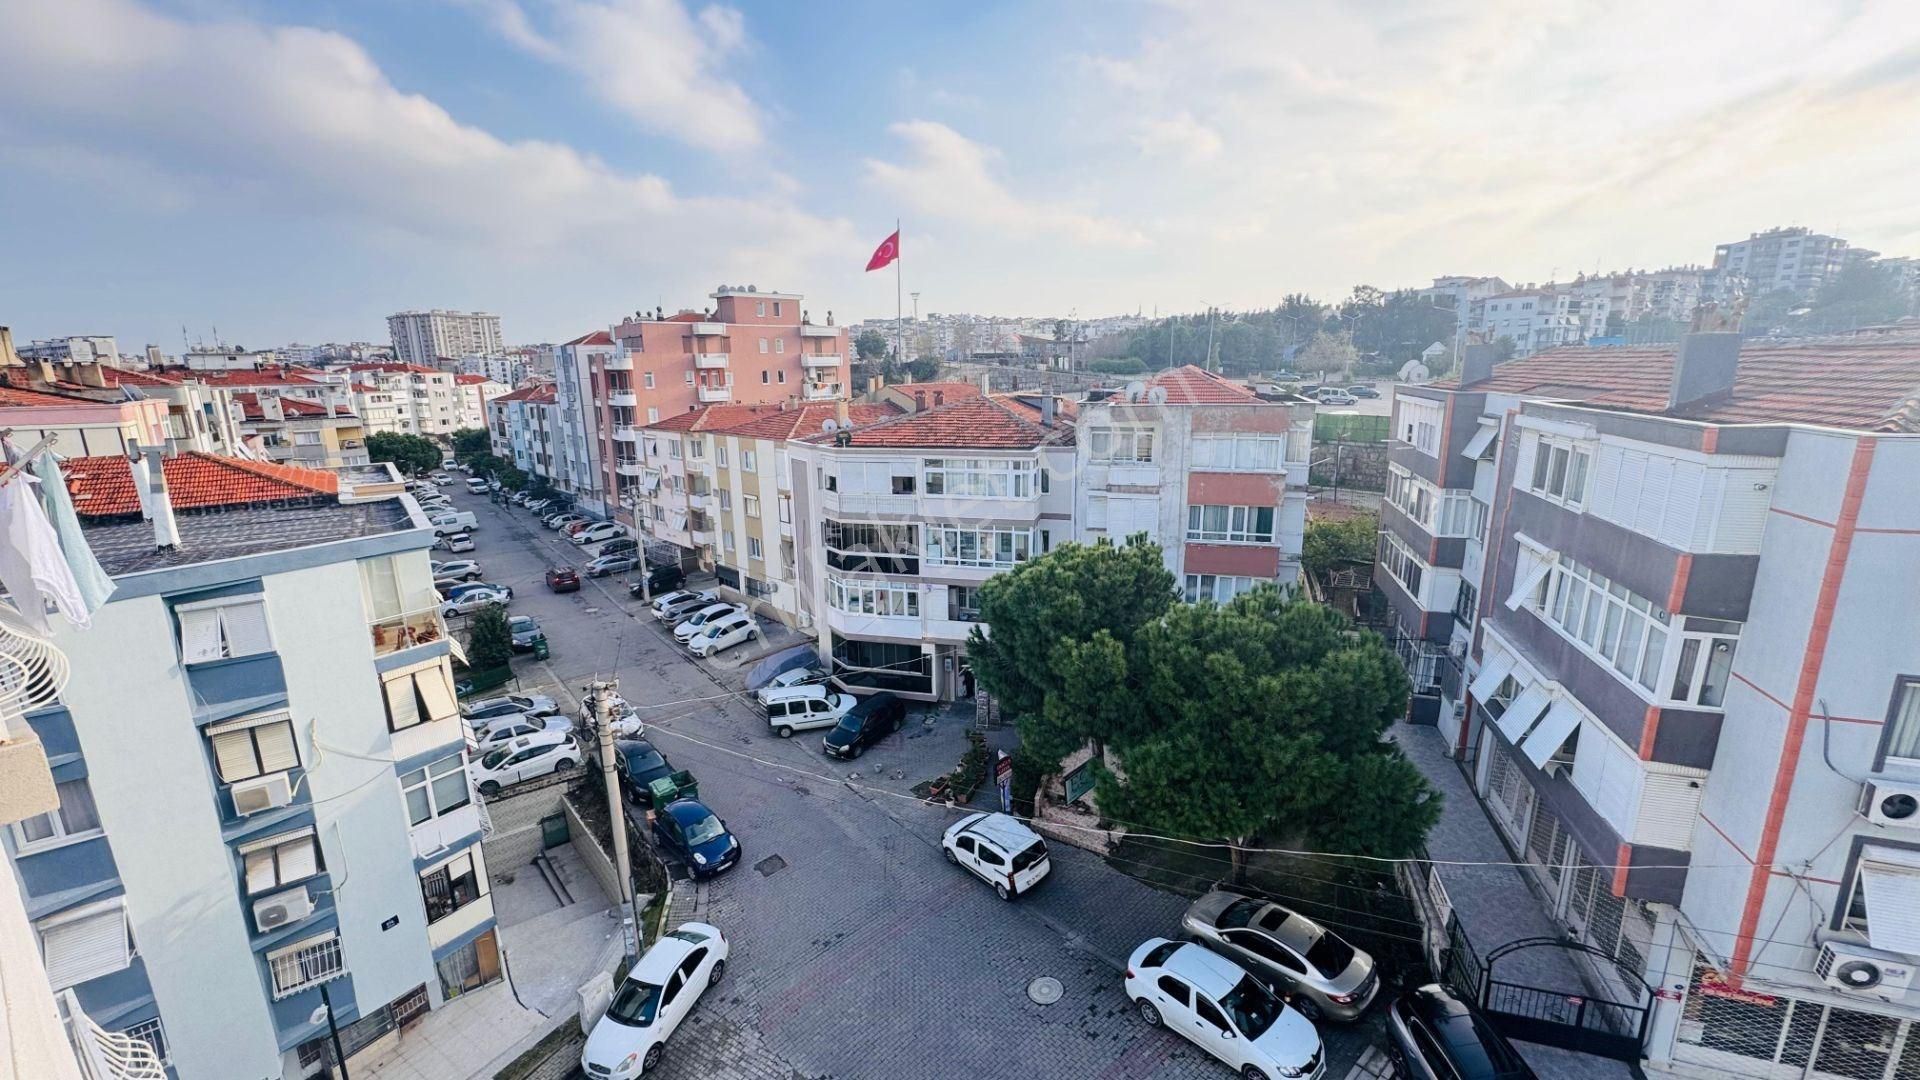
x=1496, y=904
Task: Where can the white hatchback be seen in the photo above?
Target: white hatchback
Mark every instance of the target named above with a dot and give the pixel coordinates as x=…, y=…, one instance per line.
x=723, y=633
x=653, y=1000
x=998, y=849
x=524, y=758
x=1214, y=1003
x=693, y=624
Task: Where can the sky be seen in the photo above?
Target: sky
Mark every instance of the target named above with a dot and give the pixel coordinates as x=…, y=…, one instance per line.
x=295, y=171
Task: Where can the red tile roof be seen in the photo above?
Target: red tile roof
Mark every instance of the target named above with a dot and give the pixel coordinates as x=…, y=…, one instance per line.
x=469, y=380
x=121, y=376
x=712, y=417
x=981, y=423
x=1867, y=383
x=598, y=337
x=252, y=409
x=806, y=420
x=33, y=399
x=1028, y=405
x=103, y=486
x=537, y=394
x=264, y=377
x=686, y=316
x=1189, y=385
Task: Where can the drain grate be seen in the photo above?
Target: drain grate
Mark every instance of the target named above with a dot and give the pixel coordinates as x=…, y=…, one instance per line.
x=770, y=865
x=1045, y=990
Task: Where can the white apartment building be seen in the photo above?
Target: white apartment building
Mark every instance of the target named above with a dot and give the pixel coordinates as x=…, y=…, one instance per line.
x=1797, y=260
x=520, y=429
x=577, y=415
x=1546, y=317
x=423, y=337
x=77, y=349
x=432, y=402
x=471, y=394
x=509, y=371
x=222, y=358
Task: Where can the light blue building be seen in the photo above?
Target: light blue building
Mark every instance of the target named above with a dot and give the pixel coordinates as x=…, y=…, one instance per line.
x=263, y=799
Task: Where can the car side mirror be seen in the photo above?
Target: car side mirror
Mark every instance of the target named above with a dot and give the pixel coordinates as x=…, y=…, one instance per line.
x=1226, y=1034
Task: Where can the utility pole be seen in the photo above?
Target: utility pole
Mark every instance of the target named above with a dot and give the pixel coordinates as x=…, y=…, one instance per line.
x=604, y=694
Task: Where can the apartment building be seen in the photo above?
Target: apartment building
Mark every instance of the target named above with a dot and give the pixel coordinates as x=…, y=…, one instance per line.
x=422, y=337
x=1547, y=316
x=294, y=431
x=1664, y=615
x=433, y=405
x=381, y=408
x=1464, y=294
x=521, y=427
x=509, y=371
x=577, y=469
x=1798, y=260
x=75, y=349
x=471, y=394
x=750, y=348
x=284, y=818
x=228, y=358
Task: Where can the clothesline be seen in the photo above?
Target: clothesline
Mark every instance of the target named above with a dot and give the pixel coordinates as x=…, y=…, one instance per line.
x=15, y=468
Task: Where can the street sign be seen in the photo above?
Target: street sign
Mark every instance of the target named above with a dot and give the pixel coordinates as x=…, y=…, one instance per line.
x=1003, y=768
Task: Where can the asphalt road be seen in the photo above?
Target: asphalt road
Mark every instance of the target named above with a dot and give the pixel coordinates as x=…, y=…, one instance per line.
x=858, y=951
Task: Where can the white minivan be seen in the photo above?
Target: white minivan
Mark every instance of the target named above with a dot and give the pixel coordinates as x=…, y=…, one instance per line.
x=803, y=708
x=1000, y=850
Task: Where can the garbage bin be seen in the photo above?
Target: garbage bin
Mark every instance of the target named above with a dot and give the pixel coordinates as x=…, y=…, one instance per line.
x=540, y=648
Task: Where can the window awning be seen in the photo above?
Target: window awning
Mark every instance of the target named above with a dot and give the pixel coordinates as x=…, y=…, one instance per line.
x=1494, y=670
x=458, y=650
x=1551, y=733
x=1530, y=569
x=1891, y=878
x=1524, y=711
x=1482, y=439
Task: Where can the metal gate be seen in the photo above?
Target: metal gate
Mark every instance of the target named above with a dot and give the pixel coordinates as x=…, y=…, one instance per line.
x=1570, y=1019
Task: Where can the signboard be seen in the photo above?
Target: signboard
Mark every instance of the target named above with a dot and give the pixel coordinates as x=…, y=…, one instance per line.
x=1003, y=778
x=1714, y=984
x=391, y=922
x=1079, y=781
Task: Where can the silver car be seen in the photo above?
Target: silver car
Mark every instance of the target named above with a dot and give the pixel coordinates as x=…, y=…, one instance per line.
x=1326, y=976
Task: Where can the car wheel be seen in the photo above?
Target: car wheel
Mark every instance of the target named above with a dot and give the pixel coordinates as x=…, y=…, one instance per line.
x=951, y=857
x=897, y=721
x=563, y=764
x=786, y=732
x=653, y=1057
x=1308, y=1008
x=1000, y=889
x=1150, y=1014
x=1252, y=1072
x=489, y=788
x=856, y=750
x=719, y=972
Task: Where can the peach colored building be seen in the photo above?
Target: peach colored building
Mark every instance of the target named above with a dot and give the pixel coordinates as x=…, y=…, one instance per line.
x=750, y=348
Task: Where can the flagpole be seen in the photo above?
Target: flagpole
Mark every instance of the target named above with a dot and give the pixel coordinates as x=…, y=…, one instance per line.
x=899, y=315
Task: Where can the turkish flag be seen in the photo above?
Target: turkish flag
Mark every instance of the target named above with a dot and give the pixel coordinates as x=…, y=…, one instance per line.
x=888, y=251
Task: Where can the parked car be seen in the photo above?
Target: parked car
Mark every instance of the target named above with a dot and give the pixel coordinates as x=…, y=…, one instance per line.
x=619, y=545
x=1333, y=395
x=874, y=718
x=456, y=570
x=440, y=478
x=561, y=521
x=998, y=849
x=525, y=758
x=453, y=521
x=598, y=531
x=1289, y=952
x=612, y=564
x=1220, y=1008
x=455, y=589
x=659, y=578
x=526, y=632
x=474, y=598
x=1363, y=391
x=563, y=579
x=691, y=831
x=638, y=765
x=518, y=498
x=805, y=708
x=536, y=704
x=674, y=606
x=454, y=543
x=1433, y=1035
x=508, y=728
x=722, y=634
x=539, y=506
x=476, y=485
x=696, y=621
x=652, y=1001
x=790, y=678
x=572, y=528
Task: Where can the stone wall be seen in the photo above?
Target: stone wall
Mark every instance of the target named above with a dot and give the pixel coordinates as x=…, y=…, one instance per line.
x=516, y=836
x=599, y=862
x=1361, y=465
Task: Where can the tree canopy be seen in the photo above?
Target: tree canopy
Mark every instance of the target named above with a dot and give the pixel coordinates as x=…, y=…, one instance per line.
x=871, y=345
x=470, y=443
x=1383, y=329
x=1329, y=543
x=489, y=639
x=411, y=454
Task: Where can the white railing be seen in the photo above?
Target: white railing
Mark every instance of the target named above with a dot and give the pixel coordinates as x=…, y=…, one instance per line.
x=107, y=1055
x=32, y=670
x=308, y=965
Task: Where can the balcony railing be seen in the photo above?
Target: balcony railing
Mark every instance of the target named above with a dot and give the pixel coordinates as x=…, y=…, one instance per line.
x=625, y=399
x=710, y=360
x=404, y=631
x=620, y=362
x=32, y=670
x=107, y=1055
x=821, y=360
x=716, y=393
x=822, y=391
x=707, y=329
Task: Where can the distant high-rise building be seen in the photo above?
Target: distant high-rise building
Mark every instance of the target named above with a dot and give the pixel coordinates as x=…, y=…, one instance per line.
x=1797, y=260
x=422, y=337
x=79, y=349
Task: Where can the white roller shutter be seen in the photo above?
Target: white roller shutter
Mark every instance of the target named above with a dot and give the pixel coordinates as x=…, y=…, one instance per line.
x=1891, y=877
x=1684, y=493
x=233, y=752
x=1482, y=439
x=436, y=689
x=1669, y=805
x=199, y=635
x=1605, y=484
x=1530, y=569
x=1097, y=512
x=1653, y=497
x=85, y=943
x=1523, y=463
x=245, y=628
x=1494, y=669
x=277, y=752
x=402, y=710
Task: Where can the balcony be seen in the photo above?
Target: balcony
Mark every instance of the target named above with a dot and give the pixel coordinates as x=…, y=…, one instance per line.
x=810, y=330
x=103, y=1054
x=709, y=329
x=629, y=467
x=702, y=535
x=623, y=399
x=821, y=391
x=619, y=362
x=626, y=433
x=710, y=360
x=699, y=500
x=821, y=360
x=404, y=631
x=711, y=394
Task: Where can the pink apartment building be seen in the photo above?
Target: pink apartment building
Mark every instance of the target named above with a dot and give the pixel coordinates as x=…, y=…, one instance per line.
x=750, y=348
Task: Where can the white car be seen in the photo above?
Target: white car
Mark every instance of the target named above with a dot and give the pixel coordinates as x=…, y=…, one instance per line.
x=998, y=849
x=804, y=708
x=612, y=564
x=476, y=598
x=1328, y=395
x=1223, y=1010
x=440, y=478
x=452, y=521
x=792, y=677
x=686, y=628
x=653, y=1000
x=670, y=607
x=593, y=534
x=491, y=733
x=524, y=758
x=456, y=570
x=455, y=543
x=561, y=521
x=476, y=485
x=724, y=633
x=510, y=705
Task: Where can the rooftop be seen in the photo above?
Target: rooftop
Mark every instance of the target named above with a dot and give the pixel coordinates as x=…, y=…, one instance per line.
x=980, y=423
x=470, y=380
x=1190, y=385
x=12, y=398
x=292, y=408
x=537, y=394
x=598, y=337
x=1869, y=384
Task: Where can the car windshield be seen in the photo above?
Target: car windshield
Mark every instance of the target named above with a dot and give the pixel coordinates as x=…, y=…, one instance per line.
x=642, y=764
x=707, y=828
x=523, y=622
x=1330, y=955
x=1033, y=854
x=1238, y=914
x=636, y=1004
x=1252, y=1008
x=494, y=758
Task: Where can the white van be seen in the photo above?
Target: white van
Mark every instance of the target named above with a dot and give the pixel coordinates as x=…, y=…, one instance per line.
x=803, y=708
x=1000, y=850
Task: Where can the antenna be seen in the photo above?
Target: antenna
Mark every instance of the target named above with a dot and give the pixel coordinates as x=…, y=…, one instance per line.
x=829, y=425
x=1135, y=391
x=1157, y=395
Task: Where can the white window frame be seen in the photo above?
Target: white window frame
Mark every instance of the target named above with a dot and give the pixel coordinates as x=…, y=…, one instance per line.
x=424, y=779
x=212, y=630
x=268, y=760
x=1218, y=588
x=749, y=461
x=327, y=961
x=426, y=690
x=877, y=598
x=763, y=346
x=281, y=856
x=1240, y=453
x=779, y=345
x=1561, y=470
x=1121, y=445
x=943, y=544
x=754, y=550
x=1694, y=670
x=1403, y=566
x=1238, y=524
x=1609, y=623
x=720, y=453
x=1417, y=423
x=976, y=478
x=60, y=833
x=646, y=379
x=1904, y=722
x=750, y=505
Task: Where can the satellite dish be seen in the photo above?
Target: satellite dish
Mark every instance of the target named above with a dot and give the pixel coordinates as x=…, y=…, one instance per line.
x=1134, y=391
x=318, y=1015
x=829, y=425
x=1157, y=395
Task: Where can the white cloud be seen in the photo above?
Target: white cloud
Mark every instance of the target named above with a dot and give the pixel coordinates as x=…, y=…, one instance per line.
x=650, y=59
x=303, y=125
x=1178, y=136
x=951, y=176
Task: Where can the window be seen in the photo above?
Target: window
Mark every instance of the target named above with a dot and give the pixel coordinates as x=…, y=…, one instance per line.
x=993, y=478
x=1560, y=471
x=754, y=550
x=217, y=629
x=689, y=376
x=776, y=309
x=726, y=499
x=1705, y=661
x=1210, y=1013
x=1625, y=630
x=74, y=819
x=653, y=414
x=955, y=545
x=1231, y=524
x=766, y=377
x=420, y=694
x=253, y=746
x=780, y=376
x=646, y=379
x=763, y=346
x=1176, y=990
x=85, y=942
x=749, y=461
x=1464, y=604
x=436, y=790
x=720, y=453
x=1419, y=424
x=1401, y=564
x=280, y=860
x=726, y=542
x=779, y=345
x=1218, y=588
x=1133, y=445
x=1239, y=453
x=871, y=598
x=963, y=603
x=750, y=505
x=451, y=887
x=1903, y=730
x=305, y=964
x=786, y=509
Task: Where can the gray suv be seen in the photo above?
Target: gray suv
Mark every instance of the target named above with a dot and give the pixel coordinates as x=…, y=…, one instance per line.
x=1289, y=952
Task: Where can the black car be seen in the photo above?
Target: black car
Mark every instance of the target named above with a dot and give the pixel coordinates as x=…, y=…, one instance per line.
x=1433, y=1035
x=659, y=580
x=1363, y=391
x=697, y=835
x=876, y=717
x=639, y=765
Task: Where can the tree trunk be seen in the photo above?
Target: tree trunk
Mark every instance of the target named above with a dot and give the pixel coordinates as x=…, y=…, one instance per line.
x=1239, y=858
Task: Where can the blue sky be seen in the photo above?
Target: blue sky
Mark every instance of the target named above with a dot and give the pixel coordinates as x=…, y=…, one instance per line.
x=296, y=171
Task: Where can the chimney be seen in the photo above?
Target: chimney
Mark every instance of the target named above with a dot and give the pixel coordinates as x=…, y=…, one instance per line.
x=1047, y=407
x=986, y=383
x=8, y=358
x=1476, y=363
x=840, y=411
x=150, y=481
x=89, y=375
x=1703, y=368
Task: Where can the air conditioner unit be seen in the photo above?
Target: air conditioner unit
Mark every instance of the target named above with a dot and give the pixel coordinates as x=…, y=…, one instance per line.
x=281, y=909
x=1891, y=804
x=1860, y=970
x=265, y=793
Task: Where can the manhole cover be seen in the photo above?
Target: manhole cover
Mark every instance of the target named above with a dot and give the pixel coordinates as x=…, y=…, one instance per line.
x=770, y=865
x=1044, y=990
